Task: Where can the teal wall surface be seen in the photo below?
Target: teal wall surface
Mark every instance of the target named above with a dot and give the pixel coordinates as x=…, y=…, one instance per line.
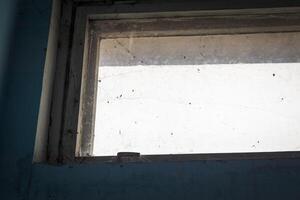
x=20, y=179
x=22, y=76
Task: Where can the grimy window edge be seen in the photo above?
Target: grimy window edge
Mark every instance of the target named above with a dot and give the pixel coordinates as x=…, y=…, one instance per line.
x=64, y=139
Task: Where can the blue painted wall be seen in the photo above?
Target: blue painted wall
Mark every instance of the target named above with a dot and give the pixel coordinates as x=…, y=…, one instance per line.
x=7, y=16
x=20, y=94
x=20, y=179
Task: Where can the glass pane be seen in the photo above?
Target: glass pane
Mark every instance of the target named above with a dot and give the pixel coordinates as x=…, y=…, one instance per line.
x=192, y=94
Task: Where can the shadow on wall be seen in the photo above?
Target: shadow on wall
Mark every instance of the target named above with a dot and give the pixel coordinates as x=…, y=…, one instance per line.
x=7, y=19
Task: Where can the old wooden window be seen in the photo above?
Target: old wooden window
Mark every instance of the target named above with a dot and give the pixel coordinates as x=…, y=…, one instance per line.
x=198, y=84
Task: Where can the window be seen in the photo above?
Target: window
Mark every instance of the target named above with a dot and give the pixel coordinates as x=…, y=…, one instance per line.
x=155, y=95
x=189, y=83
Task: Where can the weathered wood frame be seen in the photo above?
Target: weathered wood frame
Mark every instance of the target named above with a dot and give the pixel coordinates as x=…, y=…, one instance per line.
x=73, y=109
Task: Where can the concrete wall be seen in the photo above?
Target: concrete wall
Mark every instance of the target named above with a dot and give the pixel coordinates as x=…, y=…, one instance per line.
x=20, y=179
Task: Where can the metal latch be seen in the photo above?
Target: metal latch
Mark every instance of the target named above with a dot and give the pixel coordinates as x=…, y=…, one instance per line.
x=111, y=2
x=128, y=156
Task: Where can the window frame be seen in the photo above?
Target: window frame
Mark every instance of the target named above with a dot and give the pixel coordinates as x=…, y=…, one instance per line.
x=71, y=129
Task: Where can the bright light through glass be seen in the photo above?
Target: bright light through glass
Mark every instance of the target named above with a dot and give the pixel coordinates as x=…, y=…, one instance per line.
x=182, y=109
